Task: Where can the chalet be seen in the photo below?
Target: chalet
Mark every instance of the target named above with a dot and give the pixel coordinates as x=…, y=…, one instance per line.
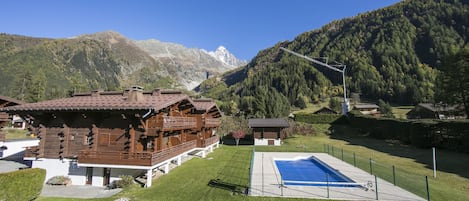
x=4, y=117
x=268, y=131
x=435, y=111
x=93, y=138
x=367, y=109
x=325, y=110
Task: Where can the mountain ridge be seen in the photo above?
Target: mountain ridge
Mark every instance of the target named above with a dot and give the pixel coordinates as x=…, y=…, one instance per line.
x=33, y=69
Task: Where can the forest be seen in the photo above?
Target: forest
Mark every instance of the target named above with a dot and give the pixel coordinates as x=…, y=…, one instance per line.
x=393, y=54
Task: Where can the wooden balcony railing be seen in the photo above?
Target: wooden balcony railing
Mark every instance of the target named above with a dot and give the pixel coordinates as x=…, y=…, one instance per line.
x=138, y=158
x=4, y=116
x=172, y=123
x=32, y=152
x=212, y=122
x=209, y=141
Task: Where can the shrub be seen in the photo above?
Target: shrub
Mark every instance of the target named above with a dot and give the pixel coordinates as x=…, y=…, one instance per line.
x=317, y=118
x=124, y=182
x=59, y=180
x=22, y=184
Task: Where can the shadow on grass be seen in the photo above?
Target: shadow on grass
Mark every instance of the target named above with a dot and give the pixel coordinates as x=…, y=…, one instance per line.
x=234, y=188
x=447, y=161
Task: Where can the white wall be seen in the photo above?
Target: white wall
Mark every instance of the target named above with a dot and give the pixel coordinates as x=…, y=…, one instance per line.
x=265, y=141
x=17, y=146
x=56, y=167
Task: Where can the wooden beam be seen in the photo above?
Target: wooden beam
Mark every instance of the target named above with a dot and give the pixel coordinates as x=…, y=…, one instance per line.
x=132, y=138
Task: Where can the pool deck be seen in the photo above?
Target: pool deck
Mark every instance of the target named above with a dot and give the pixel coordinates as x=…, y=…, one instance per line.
x=265, y=181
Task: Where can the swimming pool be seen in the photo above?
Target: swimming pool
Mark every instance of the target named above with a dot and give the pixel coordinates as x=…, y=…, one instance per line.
x=311, y=172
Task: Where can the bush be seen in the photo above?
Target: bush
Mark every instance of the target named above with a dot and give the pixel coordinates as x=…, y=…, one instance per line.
x=59, y=180
x=318, y=118
x=424, y=133
x=22, y=184
x=124, y=182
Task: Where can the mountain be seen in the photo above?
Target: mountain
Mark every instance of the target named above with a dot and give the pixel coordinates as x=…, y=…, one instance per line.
x=33, y=69
x=191, y=65
x=391, y=54
x=223, y=55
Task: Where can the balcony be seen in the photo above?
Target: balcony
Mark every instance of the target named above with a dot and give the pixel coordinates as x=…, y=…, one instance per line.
x=168, y=123
x=4, y=116
x=209, y=141
x=32, y=152
x=212, y=122
x=138, y=158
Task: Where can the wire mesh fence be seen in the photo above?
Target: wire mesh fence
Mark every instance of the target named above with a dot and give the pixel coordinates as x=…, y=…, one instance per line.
x=417, y=184
x=412, y=182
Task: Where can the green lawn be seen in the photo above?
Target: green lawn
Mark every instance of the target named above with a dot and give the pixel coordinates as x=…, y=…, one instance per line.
x=12, y=134
x=231, y=164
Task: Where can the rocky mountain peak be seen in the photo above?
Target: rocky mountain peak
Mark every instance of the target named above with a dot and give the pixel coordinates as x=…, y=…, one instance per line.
x=223, y=55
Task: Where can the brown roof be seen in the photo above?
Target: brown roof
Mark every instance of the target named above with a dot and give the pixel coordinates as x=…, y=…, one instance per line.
x=10, y=101
x=271, y=123
x=204, y=104
x=105, y=101
x=366, y=106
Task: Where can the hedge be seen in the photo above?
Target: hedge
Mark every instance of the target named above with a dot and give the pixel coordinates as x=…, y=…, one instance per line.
x=447, y=134
x=318, y=118
x=22, y=185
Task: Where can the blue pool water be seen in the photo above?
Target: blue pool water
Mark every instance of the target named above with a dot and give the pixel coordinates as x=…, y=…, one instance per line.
x=311, y=172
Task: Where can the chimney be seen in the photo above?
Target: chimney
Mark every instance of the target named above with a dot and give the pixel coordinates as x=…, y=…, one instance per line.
x=156, y=92
x=135, y=94
x=96, y=93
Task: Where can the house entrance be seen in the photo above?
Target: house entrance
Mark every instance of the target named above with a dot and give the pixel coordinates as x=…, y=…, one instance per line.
x=106, y=176
x=270, y=142
x=89, y=175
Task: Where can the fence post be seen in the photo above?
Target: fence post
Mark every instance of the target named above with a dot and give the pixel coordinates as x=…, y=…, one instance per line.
x=371, y=167
x=342, y=154
x=376, y=187
x=394, y=175
x=354, y=161
x=428, y=189
x=332, y=150
x=281, y=186
x=327, y=184
x=324, y=147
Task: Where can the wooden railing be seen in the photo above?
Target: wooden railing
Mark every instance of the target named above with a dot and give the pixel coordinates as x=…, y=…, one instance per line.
x=209, y=141
x=4, y=116
x=137, y=158
x=171, y=123
x=32, y=152
x=179, y=122
x=212, y=122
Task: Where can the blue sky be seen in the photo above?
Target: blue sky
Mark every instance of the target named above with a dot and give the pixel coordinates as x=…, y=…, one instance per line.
x=244, y=27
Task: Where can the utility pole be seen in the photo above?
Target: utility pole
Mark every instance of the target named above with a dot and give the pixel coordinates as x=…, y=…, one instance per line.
x=345, y=104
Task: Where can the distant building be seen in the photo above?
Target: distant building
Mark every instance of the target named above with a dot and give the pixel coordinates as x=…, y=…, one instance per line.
x=4, y=117
x=367, y=109
x=325, y=110
x=268, y=131
x=436, y=111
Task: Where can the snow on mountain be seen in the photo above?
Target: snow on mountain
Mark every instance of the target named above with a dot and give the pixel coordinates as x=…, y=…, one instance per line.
x=223, y=55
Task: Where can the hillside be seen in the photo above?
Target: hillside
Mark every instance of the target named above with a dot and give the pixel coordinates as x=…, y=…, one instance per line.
x=391, y=54
x=33, y=69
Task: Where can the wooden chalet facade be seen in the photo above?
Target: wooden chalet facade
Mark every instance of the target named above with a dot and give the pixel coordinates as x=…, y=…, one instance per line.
x=268, y=131
x=102, y=135
x=4, y=117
